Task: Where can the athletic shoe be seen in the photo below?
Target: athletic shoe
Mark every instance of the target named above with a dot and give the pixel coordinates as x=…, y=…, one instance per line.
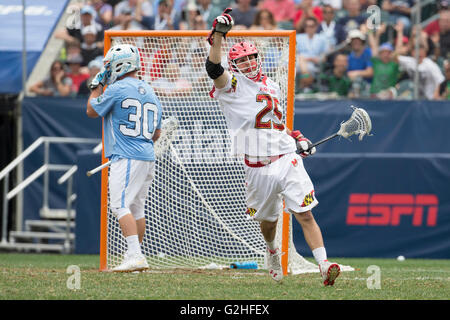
x=274, y=264
x=329, y=271
x=130, y=263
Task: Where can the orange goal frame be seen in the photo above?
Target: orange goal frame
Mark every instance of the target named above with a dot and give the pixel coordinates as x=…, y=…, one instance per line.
x=291, y=34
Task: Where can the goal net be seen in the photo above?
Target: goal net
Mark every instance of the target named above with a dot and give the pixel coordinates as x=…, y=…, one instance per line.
x=195, y=210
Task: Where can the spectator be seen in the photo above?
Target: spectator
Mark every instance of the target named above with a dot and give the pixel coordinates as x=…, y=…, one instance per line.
x=199, y=23
x=125, y=8
x=128, y=21
x=443, y=91
x=430, y=75
x=283, y=11
x=399, y=10
x=439, y=32
x=195, y=72
x=71, y=49
x=94, y=67
x=209, y=11
x=171, y=84
x=55, y=84
x=385, y=66
x=354, y=17
x=333, y=32
x=424, y=38
x=244, y=13
x=89, y=48
x=165, y=19
x=336, y=80
x=73, y=33
x=264, y=20
x=75, y=72
x=306, y=10
x=311, y=48
x=188, y=17
x=359, y=60
x=104, y=13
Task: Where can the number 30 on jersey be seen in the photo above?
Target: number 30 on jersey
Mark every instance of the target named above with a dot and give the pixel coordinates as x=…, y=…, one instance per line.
x=146, y=114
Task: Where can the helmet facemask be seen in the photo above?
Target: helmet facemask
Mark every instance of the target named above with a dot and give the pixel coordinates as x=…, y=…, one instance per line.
x=249, y=66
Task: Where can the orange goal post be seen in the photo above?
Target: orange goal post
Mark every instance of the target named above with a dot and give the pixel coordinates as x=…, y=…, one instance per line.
x=195, y=210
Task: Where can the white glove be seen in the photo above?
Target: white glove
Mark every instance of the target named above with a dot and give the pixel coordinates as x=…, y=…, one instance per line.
x=222, y=24
x=100, y=78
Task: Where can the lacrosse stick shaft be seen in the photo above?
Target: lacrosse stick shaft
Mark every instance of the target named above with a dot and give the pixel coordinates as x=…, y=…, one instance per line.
x=99, y=168
x=323, y=140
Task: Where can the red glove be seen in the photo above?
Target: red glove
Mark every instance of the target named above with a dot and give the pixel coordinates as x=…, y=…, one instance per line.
x=222, y=24
x=303, y=144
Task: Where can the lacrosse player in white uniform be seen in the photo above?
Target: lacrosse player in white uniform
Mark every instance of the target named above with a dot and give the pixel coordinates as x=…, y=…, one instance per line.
x=132, y=123
x=273, y=169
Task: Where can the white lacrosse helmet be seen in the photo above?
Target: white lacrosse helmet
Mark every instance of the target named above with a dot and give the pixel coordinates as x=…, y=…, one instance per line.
x=122, y=59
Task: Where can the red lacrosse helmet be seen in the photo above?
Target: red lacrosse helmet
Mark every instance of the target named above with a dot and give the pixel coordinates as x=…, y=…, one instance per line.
x=245, y=49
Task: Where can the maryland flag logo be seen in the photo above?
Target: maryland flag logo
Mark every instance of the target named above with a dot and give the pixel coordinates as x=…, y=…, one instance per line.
x=251, y=212
x=309, y=198
x=233, y=84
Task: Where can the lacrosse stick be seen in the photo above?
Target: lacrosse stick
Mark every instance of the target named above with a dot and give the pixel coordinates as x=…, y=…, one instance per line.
x=168, y=131
x=359, y=123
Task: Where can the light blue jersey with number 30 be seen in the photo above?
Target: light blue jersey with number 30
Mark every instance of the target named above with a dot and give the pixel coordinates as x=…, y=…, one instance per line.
x=132, y=112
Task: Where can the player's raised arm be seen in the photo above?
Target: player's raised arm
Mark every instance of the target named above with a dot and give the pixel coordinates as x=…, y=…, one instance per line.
x=221, y=25
x=97, y=86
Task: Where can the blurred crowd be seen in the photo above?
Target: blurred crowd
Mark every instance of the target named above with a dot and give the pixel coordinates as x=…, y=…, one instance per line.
x=342, y=50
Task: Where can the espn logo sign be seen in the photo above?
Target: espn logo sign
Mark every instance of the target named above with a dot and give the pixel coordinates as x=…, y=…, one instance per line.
x=387, y=209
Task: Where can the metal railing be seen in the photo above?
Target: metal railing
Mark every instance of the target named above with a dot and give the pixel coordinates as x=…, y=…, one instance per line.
x=43, y=170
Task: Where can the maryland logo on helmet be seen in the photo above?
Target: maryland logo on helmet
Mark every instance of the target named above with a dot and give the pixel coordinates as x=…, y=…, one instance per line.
x=309, y=198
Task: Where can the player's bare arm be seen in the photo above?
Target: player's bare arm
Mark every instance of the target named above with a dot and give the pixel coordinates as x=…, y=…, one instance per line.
x=96, y=86
x=214, y=67
x=91, y=113
x=221, y=25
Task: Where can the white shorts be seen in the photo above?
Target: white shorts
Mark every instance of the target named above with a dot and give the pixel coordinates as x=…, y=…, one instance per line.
x=129, y=181
x=284, y=179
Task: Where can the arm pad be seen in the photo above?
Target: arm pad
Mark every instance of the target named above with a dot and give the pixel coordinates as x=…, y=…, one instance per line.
x=214, y=70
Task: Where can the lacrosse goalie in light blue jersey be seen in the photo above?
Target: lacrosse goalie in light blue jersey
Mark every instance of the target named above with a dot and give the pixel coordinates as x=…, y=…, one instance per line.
x=132, y=123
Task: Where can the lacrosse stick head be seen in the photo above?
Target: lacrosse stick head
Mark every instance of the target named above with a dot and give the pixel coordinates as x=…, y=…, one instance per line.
x=359, y=123
x=168, y=131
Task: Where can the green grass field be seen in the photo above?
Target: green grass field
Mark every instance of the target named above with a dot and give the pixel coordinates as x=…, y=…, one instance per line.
x=44, y=276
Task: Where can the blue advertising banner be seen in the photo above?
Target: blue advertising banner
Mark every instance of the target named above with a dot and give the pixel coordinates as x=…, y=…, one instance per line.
x=41, y=17
x=381, y=205
x=397, y=126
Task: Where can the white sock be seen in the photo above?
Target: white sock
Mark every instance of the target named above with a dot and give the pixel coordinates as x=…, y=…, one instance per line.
x=320, y=254
x=271, y=245
x=133, y=244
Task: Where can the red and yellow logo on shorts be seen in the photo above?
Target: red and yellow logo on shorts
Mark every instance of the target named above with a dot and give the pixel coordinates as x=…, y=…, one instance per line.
x=309, y=198
x=251, y=212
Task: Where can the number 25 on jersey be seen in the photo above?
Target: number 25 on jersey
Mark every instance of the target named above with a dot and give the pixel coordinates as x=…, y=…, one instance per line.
x=271, y=104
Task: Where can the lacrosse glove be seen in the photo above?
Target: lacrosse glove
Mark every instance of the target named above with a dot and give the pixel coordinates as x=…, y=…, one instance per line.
x=222, y=24
x=303, y=144
x=100, y=78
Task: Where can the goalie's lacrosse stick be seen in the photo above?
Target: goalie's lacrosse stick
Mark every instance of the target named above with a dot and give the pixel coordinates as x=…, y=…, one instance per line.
x=168, y=131
x=359, y=123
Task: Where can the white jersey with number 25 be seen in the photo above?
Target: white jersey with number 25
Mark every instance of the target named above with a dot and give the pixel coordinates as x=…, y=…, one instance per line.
x=254, y=116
